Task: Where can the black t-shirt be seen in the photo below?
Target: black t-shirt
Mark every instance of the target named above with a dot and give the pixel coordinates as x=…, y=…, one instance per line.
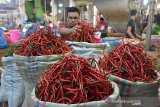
x=131, y=23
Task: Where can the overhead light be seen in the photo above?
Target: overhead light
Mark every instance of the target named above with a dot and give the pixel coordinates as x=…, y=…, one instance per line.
x=51, y=3
x=158, y=6
x=87, y=6
x=59, y=11
x=60, y=4
x=145, y=2
x=8, y=0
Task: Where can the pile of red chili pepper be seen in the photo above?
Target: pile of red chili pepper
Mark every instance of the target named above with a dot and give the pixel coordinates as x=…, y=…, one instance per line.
x=83, y=34
x=72, y=81
x=42, y=42
x=129, y=62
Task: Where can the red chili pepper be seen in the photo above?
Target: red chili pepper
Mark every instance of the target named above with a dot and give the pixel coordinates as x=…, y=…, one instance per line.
x=131, y=59
x=86, y=34
x=72, y=81
x=42, y=42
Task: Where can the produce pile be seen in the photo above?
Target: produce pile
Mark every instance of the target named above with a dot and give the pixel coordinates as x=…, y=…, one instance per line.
x=10, y=50
x=155, y=43
x=72, y=81
x=129, y=62
x=84, y=34
x=42, y=42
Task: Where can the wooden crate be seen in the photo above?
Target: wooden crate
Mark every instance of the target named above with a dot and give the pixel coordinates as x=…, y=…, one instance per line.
x=2, y=53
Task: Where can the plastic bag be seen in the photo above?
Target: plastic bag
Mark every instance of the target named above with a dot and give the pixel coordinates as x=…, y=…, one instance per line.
x=3, y=43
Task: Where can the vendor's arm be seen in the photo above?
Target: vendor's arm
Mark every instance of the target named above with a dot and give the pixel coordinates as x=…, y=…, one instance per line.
x=139, y=37
x=129, y=29
x=66, y=32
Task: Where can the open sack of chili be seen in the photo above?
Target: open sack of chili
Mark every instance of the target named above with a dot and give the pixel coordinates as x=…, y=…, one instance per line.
x=132, y=70
x=85, y=33
x=73, y=82
x=83, y=43
x=42, y=42
x=37, y=53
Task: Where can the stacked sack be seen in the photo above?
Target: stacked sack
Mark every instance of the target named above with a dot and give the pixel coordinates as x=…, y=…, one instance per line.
x=12, y=86
x=36, y=53
x=84, y=43
x=129, y=66
x=74, y=83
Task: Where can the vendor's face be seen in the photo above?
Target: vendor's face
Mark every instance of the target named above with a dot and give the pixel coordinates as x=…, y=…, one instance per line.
x=73, y=18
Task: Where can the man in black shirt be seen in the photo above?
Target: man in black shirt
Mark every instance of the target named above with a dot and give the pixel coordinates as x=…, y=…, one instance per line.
x=131, y=26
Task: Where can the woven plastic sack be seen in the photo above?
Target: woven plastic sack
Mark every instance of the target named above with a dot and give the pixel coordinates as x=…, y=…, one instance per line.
x=104, y=103
x=12, y=85
x=31, y=68
x=89, y=50
x=137, y=93
x=27, y=100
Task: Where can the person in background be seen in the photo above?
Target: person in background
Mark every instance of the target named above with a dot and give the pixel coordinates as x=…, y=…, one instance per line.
x=144, y=25
x=34, y=18
x=14, y=24
x=31, y=27
x=131, y=26
x=49, y=20
x=72, y=24
x=8, y=26
x=20, y=28
x=98, y=17
x=102, y=27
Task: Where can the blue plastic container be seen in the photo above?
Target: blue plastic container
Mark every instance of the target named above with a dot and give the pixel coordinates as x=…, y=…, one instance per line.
x=3, y=43
x=113, y=42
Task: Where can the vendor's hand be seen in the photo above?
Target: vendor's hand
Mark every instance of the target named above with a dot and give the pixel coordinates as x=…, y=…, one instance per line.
x=75, y=29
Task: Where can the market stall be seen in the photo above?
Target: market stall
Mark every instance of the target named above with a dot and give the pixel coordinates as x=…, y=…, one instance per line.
x=85, y=71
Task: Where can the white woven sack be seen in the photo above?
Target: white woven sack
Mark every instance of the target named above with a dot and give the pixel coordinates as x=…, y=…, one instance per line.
x=3, y=88
x=146, y=94
x=27, y=100
x=89, y=50
x=31, y=68
x=14, y=85
x=104, y=103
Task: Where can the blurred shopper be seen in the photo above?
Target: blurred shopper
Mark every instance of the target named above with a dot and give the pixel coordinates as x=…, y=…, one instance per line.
x=131, y=26
x=102, y=27
x=14, y=24
x=144, y=25
x=73, y=19
x=8, y=25
x=34, y=18
x=98, y=17
x=49, y=20
x=31, y=27
x=20, y=28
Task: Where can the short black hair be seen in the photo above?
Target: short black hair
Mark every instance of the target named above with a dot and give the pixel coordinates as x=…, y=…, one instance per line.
x=102, y=19
x=73, y=9
x=29, y=20
x=133, y=12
